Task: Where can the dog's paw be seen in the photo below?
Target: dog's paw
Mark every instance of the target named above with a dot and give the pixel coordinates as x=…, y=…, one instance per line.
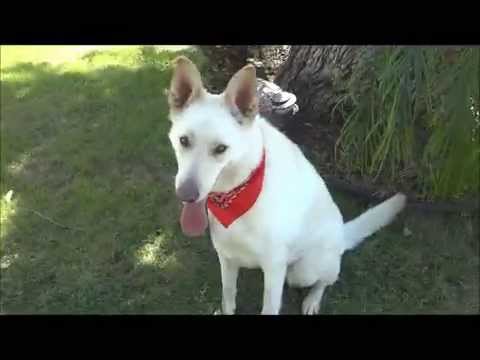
x=310, y=306
x=222, y=312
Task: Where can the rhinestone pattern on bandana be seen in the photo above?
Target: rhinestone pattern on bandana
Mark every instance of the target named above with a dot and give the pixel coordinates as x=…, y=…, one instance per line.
x=229, y=206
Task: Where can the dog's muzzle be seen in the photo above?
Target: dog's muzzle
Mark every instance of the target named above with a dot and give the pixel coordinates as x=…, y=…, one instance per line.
x=188, y=191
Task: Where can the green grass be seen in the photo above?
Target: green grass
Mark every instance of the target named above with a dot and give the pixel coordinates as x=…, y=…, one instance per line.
x=83, y=140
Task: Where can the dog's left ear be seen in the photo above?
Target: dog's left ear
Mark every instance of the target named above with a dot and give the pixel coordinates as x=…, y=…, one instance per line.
x=241, y=93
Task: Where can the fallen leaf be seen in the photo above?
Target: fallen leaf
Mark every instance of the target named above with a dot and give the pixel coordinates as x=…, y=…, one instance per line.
x=8, y=196
x=406, y=232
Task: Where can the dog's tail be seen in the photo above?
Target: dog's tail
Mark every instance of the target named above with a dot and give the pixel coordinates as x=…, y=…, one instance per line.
x=373, y=220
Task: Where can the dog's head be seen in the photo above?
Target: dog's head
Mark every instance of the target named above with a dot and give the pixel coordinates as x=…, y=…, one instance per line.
x=208, y=131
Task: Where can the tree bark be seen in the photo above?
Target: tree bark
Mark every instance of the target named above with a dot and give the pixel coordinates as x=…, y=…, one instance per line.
x=225, y=60
x=313, y=72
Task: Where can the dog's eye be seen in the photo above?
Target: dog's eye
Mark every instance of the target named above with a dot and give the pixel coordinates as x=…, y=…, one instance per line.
x=184, y=141
x=220, y=149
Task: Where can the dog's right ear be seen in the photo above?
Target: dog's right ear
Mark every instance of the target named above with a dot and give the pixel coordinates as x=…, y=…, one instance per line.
x=185, y=86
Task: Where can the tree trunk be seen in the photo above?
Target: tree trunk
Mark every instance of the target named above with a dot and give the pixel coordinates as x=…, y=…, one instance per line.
x=312, y=73
x=315, y=74
x=224, y=61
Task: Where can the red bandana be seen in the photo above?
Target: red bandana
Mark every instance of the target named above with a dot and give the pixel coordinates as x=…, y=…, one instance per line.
x=229, y=206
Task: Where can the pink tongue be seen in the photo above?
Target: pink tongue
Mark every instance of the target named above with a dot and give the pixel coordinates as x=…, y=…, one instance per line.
x=194, y=218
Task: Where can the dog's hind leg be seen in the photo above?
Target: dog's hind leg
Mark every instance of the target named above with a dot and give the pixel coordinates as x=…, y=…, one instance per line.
x=311, y=303
x=318, y=269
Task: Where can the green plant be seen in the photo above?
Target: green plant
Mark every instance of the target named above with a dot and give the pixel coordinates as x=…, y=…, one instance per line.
x=414, y=110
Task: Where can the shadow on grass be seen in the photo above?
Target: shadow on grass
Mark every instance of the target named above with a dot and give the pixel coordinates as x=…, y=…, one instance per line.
x=89, y=148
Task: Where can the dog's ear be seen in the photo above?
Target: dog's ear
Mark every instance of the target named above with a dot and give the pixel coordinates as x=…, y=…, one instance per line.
x=186, y=84
x=241, y=93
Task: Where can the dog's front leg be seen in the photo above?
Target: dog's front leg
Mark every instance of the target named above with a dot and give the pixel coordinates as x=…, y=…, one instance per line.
x=229, y=271
x=273, y=279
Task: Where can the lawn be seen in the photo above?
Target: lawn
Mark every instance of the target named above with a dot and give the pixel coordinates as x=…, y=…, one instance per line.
x=89, y=220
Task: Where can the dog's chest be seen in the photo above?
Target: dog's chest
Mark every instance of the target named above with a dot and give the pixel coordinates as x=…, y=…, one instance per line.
x=243, y=247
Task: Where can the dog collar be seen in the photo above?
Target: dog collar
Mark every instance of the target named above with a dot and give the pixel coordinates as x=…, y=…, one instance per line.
x=229, y=206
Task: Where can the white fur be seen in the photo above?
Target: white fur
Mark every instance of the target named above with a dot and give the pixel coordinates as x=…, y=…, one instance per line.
x=294, y=231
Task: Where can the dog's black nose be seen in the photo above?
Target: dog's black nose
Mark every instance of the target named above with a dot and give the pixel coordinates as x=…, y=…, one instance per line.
x=188, y=191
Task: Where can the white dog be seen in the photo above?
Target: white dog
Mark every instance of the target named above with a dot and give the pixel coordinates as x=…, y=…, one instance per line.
x=267, y=206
